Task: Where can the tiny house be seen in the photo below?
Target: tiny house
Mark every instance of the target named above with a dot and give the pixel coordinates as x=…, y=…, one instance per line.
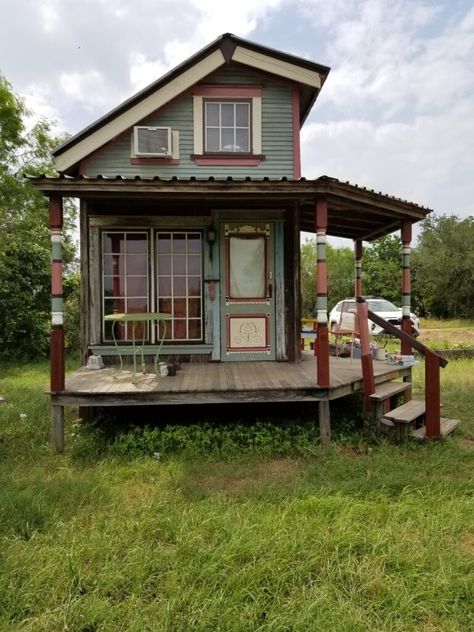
x=191, y=206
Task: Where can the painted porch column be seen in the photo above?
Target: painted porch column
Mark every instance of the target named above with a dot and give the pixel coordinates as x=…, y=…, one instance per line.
x=322, y=294
x=358, y=250
x=406, y=283
x=57, y=330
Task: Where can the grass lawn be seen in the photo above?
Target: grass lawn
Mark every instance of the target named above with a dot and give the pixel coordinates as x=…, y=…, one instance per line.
x=359, y=536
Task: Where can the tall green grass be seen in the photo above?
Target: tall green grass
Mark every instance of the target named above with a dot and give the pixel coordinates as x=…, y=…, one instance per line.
x=234, y=533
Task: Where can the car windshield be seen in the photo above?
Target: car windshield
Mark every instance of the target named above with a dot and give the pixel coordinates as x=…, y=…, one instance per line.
x=381, y=305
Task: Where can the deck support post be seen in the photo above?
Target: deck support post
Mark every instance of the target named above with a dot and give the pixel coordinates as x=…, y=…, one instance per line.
x=57, y=428
x=358, y=251
x=321, y=221
x=57, y=331
x=324, y=422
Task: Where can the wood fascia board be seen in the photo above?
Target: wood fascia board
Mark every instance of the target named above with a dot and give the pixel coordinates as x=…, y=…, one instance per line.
x=139, y=111
x=277, y=67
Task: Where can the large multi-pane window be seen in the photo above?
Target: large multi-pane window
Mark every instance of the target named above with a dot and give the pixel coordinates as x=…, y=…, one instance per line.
x=175, y=267
x=227, y=126
x=125, y=278
x=179, y=282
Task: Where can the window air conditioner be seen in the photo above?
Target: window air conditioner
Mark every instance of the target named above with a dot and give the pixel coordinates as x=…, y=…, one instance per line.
x=152, y=141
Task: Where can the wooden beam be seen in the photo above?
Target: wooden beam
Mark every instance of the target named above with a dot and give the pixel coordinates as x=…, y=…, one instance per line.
x=321, y=220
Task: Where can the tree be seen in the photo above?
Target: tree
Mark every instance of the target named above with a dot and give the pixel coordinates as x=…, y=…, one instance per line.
x=443, y=264
x=340, y=267
x=382, y=269
x=24, y=233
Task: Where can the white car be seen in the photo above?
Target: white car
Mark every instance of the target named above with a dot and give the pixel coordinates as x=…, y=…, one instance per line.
x=383, y=308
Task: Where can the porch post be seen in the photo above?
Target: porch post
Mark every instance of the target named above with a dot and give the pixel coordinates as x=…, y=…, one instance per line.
x=406, y=283
x=322, y=294
x=358, y=250
x=57, y=331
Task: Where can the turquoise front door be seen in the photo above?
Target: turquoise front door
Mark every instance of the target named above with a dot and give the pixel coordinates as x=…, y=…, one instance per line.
x=247, y=291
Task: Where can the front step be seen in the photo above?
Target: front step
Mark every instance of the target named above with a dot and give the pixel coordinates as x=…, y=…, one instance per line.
x=388, y=389
x=407, y=413
x=447, y=426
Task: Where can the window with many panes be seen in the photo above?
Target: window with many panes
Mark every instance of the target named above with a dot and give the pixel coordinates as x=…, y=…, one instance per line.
x=179, y=282
x=227, y=126
x=165, y=278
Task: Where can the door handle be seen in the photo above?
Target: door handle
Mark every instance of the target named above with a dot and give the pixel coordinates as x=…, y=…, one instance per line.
x=270, y=290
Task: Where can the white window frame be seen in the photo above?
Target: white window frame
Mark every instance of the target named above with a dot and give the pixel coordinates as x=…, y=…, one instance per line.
x=220, y=127
x=255, y=121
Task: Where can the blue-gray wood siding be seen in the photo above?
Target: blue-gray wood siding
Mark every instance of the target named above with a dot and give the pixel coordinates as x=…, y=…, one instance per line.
x=277, y=137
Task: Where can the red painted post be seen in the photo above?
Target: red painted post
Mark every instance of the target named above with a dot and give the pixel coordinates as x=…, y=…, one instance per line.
x=57, y=332
x=432, y=397
x=358, y=249
x=366, y=354
x=321, y=222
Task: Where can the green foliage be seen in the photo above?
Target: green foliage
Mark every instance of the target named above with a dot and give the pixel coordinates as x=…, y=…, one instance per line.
x=24, y=233
x=382, y=269
x=72, y=307
x=444, y=266
x=340, y=267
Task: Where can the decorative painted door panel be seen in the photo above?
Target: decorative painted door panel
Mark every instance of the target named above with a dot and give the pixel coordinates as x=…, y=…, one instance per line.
x=247, y=296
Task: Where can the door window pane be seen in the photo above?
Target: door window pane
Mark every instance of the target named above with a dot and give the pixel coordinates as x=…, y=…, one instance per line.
x=247, y=267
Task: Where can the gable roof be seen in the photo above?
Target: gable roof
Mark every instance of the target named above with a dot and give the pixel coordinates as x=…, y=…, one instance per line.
x=224, y=50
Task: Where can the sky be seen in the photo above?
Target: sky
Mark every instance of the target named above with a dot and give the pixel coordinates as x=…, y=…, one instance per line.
x=396, y=113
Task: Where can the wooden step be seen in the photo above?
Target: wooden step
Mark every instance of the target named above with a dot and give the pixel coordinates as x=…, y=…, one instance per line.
x=407, y=413
x=447, y=426
x=388, y=389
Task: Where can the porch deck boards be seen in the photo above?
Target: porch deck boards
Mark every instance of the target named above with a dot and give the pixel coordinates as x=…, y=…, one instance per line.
x=220, y=382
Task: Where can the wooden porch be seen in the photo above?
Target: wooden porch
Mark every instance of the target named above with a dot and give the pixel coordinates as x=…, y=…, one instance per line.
x=211, y=383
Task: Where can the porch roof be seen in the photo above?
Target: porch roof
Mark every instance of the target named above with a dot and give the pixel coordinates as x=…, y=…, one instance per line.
x=353, y=212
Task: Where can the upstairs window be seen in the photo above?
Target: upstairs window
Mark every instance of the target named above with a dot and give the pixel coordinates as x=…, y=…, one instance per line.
x=227, y=126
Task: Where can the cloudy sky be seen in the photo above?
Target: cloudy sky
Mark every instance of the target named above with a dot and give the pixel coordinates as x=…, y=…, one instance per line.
x=396, y=113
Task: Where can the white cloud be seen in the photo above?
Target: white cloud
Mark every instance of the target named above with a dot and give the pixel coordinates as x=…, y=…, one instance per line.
x=88, y=88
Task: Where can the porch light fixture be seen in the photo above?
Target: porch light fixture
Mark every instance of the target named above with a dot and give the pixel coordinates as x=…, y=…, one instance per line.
x=211, y=240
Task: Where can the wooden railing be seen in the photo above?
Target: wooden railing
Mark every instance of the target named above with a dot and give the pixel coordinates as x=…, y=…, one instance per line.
x=433, y=361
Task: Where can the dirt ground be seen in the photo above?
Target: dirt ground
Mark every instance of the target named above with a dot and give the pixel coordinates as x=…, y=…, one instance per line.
x=454, y=336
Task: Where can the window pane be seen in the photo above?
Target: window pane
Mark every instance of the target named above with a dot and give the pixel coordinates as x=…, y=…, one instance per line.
x=114, y=264
x=137, y=264
x=194, y=243
x=242, y=139
x=194, y=264
x=179, y=264
x=242, y=114
x=135, y=305
x=212, y=139
x=194, y=286
x=180, y=329
x=227, y=115
x=247, y=267
x=137, y=286
x=212, y=114
x=179, y=308
x=194, y=305
x=136, y=243
x=114, y=286
x=164, y=286
x=114, y=306
x=163, y=244
x=113, y=242
x=164, y=264
x=179, y=243
x=228, y=139
x=194, y=329
x=164, y=305
x=179, y=286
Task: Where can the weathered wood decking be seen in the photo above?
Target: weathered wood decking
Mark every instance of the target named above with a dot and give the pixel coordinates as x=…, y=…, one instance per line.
x=220, y=383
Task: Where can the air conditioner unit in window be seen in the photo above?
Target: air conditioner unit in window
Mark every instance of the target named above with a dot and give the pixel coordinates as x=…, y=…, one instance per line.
x=152, y=141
